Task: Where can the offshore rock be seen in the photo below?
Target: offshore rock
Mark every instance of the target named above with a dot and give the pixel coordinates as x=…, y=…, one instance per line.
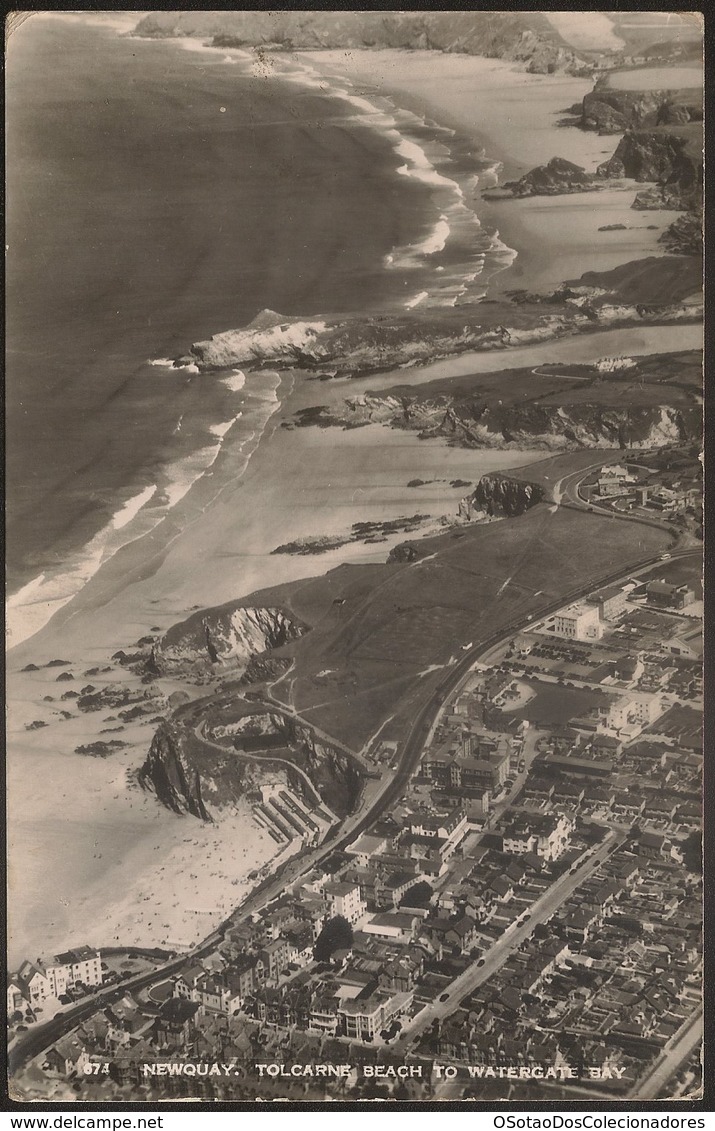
x=498, y=496
x=556, y=177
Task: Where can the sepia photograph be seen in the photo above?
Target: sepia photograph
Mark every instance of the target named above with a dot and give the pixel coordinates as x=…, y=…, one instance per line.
x=354, y=557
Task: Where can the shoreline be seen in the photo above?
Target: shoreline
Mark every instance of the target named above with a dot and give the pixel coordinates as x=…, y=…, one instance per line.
x=214, y=546
x=520, y=121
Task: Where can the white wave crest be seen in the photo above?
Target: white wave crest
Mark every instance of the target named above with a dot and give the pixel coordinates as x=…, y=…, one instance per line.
x=234, y=381
x=31, y=607
x=416, y=299
x=132, y=507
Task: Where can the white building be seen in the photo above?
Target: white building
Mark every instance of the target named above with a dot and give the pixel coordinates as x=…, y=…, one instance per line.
x=613, y=479
x=612, y=364
x=451, y=827
x=16, y=996
x=640, y=709
x=364, y=1020
x=83, y=964
x=37, y=982
x=53, y=976
x=393, y=926
x=365, y=847
x=344, y=899
x=578, y=622
x=546, y=835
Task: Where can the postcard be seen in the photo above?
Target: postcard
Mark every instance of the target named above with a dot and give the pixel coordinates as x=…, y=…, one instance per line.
x=354, y=556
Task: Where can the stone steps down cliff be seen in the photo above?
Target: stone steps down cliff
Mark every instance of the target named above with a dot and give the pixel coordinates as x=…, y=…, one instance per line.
x=229, y=636
x=202, y=778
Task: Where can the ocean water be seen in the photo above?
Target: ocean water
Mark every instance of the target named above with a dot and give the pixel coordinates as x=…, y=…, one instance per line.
x=158, y=195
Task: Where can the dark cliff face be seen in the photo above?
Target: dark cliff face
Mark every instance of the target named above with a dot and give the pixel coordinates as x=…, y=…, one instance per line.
x=334, y=775
x=199, y=778
x=671, y=158
x=169, y=772
x=501, y=497
x=685, y=235
x=522, y=36
x=614, y=111
x=557, y=427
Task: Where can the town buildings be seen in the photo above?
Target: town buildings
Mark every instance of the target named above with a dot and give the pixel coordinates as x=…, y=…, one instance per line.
x=578, y=622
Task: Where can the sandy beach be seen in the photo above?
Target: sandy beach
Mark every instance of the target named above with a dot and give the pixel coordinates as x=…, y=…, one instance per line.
x=520, y=120
x=88, y=848
x=109, y=836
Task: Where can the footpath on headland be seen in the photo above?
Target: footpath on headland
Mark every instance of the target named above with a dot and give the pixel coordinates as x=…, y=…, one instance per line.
x=386, y=793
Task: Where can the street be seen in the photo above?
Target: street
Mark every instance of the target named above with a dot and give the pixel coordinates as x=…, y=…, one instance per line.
x=677, y=1050
x=382, y=797
x=511, y=940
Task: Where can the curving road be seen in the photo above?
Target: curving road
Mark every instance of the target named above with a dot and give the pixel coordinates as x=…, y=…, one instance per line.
x=192, y=714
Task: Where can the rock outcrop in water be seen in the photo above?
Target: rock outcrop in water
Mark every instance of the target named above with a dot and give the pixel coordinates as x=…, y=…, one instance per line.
x=556, y=177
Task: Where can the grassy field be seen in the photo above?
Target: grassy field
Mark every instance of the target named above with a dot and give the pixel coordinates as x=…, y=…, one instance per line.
x=656, y=279
x=369, y=655
x=554, y=705
x=564, y=384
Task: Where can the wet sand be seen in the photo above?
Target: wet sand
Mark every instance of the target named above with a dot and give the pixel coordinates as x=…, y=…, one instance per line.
x=522, y=121
x=89, y=851
x=79, y=832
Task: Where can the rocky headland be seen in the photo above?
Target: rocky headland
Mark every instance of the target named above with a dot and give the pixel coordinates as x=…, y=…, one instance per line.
x=205, y=778
x=355, y=345
x=224, y=638
x=614, y=404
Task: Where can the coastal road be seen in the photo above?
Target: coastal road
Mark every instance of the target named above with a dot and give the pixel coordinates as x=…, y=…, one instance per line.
x=678, y=1049
x=35, y=1041
x=486, y=966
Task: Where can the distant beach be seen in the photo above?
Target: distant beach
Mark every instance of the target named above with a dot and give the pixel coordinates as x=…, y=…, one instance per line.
x=79, y=831
x=521, y=120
